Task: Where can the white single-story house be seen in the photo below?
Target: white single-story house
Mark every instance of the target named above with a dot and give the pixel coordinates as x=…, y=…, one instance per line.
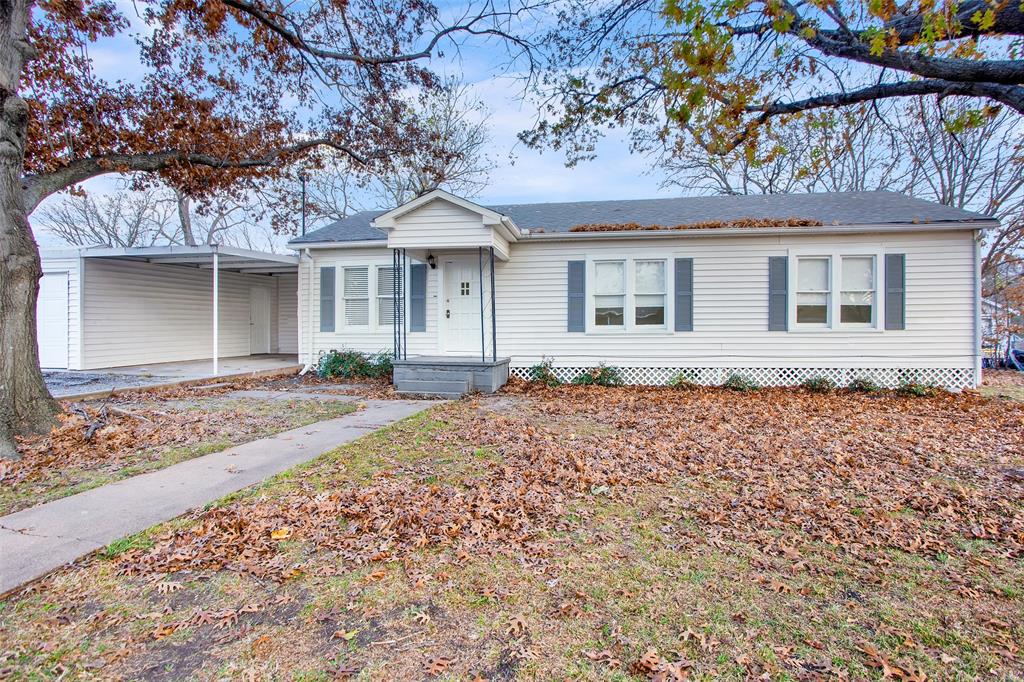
x=778, y=288
x=112, y=307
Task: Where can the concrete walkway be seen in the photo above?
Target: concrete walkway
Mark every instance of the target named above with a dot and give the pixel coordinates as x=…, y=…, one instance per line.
x=37, y=540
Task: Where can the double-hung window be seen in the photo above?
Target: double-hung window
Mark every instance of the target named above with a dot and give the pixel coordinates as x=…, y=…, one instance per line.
x=356, y=295
x=813, y=299
x=649, y=293
x=610, y=293
x=385, y=296
x=629, y=295
x=837, y=283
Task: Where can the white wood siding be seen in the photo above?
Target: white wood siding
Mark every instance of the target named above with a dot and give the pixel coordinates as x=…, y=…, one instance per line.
x=730, y=299
x=139, y=313
x=730, y=306
x=72, y=266
x=442, y=225
x=365, y=340
x=287, y=332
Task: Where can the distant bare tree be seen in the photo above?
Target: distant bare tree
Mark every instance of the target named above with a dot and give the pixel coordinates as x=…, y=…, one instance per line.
x=455, y=160
x=941, y=150
x=122, y=219
x=157, y=216
x=833, y=151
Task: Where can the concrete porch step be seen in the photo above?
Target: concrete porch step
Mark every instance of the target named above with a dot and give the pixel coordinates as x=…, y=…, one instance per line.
x=446, y=389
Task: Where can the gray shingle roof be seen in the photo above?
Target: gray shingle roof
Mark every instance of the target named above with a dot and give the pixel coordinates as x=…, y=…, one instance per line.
x=838, y=208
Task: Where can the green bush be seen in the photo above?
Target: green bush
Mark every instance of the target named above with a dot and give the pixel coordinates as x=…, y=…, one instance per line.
x=863, y=385
x=599, y=376
x=915, y=389
x=348, y=364
x=738, y=382
x=819, y=385
x=543, y=373
x=686, y=379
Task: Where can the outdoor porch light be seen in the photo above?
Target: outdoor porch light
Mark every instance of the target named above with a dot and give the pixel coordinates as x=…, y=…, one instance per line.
x=431, y=261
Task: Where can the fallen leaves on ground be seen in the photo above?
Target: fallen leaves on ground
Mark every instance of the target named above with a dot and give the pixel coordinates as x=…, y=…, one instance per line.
x=657, y=533
x=860, y=473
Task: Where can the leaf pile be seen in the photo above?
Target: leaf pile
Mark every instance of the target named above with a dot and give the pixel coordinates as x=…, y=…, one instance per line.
x=782, y=468
x=704, y=225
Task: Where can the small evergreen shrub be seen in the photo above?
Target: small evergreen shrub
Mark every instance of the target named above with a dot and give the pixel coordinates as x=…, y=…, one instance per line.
x=543, y=373
x=348, y=364
x=685, y=379
x=819, y=385
x=864, y=385
x=601, y=375
x=738, y=382
x=916, y=389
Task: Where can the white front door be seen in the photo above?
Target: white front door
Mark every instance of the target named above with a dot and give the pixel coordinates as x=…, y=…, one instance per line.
x=52, y=320
x=461, y=309
x=259, y=320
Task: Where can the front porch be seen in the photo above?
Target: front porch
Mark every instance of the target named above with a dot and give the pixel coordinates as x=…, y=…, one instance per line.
x=449, y=376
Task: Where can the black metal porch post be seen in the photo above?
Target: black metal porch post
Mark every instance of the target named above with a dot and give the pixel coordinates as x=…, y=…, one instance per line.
x=396, y=348
x=494, y=322
x=405, y=303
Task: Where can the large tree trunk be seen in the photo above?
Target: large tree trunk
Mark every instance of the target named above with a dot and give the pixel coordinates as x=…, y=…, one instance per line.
x=25, y=404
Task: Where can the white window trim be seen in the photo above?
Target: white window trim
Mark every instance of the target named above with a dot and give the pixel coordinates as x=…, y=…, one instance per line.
x=374, y=326
x=376, y=298
x=835, y=283
x=629, y=313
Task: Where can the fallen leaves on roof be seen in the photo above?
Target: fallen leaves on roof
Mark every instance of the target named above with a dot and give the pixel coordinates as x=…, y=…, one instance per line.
x=705, y=225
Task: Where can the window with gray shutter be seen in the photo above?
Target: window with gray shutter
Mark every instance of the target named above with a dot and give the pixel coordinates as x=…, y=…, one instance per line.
x=577, y=300
x=778, y=293
x=418, y=297
x=327, y=299
x=895, y=291
x=684, y=294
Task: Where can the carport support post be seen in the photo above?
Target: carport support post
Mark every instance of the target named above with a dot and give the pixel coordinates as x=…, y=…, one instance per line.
x=216, y=311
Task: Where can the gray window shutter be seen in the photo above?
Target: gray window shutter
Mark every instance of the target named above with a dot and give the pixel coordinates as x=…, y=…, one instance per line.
x=895, y=291
x=327, y=296
x=778, y=293
x=418, y=297
x=577, y=301
x=684, y=294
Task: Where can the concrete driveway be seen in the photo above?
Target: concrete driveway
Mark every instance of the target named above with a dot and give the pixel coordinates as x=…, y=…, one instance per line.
x=70, y=383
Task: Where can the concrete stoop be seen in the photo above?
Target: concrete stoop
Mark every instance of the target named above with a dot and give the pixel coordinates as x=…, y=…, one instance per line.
x=449, y=377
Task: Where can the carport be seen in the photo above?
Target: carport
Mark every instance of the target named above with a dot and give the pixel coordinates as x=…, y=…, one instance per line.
x=113, y=307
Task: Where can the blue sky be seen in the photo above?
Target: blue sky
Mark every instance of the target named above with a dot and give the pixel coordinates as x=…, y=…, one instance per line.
x=522, y=175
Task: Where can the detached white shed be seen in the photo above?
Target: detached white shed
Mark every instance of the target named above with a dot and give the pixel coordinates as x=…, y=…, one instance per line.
x=104, y=307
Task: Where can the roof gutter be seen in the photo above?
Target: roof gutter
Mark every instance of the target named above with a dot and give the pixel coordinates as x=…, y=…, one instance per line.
x=338, y=245
x=762, y=231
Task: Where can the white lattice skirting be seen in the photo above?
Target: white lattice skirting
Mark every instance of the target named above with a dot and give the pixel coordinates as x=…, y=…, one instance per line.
x=951, y=378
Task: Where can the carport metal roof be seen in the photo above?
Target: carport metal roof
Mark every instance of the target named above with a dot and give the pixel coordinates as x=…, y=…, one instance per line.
x=229, y=258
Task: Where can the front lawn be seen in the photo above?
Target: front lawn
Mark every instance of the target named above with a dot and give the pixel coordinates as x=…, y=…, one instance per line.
x=101, y=442
x=581, y=533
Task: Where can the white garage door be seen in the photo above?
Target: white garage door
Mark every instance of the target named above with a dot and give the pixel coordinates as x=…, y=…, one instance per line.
x=52, y=320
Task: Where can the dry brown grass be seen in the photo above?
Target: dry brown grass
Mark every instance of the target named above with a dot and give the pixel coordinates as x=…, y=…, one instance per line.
x=610, y=534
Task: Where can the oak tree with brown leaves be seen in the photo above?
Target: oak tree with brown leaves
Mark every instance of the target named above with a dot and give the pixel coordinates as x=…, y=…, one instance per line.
x=206, y=116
